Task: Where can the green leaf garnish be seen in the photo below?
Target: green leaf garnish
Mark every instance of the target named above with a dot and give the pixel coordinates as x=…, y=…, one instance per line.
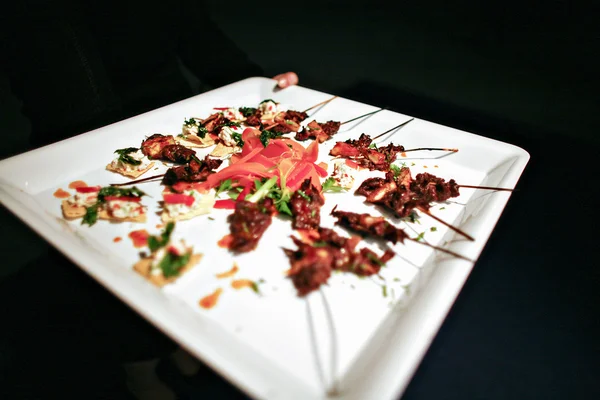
x=190, y=122
x=171, y=263
x=395, y=169
x=267, y=100
x=331, y=185
x=247, y=111
x=224, y=186
x=156, y=242
x=91, y=212
x=421, y=236
x=238, y=139
x=125, y=158
x=265, y=136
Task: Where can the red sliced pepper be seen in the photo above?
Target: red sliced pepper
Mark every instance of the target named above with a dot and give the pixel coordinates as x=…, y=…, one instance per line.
x=176, y=198
x=87, y=189
x=227, y=204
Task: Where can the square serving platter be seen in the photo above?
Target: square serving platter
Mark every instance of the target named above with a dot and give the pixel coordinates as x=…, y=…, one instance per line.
x=355, y=338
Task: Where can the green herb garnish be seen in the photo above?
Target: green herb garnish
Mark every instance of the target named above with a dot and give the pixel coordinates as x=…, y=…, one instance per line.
x=156, y=242
x=171, y=263
x=224, y=186
x=247, y=111
x=320, y=243
x=433, y=229
x=289, y=122
x=303, y=195
x=421, y=236
x=190, y=122
x=238, y=139
x=330, y=185
x=202, y=132
x=265, y=136
x=267, y=100
x=395, y=169
x=125, y=158
x=91, y=212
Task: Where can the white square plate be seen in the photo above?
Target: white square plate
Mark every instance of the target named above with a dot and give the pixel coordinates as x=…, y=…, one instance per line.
x=357, y=338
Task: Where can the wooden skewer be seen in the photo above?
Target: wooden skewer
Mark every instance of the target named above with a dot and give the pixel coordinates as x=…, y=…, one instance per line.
x=455, y=229
x=486, y=188
x=441, y=249
x=320, y=104
x=393, y=129
x=138, y=180
x=362, y=116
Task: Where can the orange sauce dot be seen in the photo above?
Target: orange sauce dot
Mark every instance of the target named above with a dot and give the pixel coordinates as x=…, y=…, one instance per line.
x=230, y=273
x=117, y=239
x=158, y=226
x=242, y=283
x=76, y=184
x=211, y=300
x=403, y=154
x=139, y=237
x=424, y=166
x=225, y=242
x=61, y=194
x=435, y=166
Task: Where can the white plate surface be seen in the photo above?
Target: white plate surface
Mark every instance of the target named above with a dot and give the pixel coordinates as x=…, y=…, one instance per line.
x=347, y=339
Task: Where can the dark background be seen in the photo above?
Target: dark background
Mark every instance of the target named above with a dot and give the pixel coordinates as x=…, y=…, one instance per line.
x=527, y=323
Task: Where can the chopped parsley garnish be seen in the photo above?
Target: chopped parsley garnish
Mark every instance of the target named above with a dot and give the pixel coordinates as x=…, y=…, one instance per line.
x=421, y=236
x=373, y=146
x=190, y=122
x=265, y=136
x=303, y=195
x=238, y=139
x=230, y=124
x=384, y=290
x=125, y=158
x=247, y=111
x=91, y=212
x=331, y=185
x=156, y=242
x=171, y=263
x=267, y=100
x=442, y=208
x=202, y=131
x=289, y=122
x=433, y=229
x=395, y=169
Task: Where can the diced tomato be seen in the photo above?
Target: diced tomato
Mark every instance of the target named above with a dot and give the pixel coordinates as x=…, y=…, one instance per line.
x=133, y=199
x=174, y=198
x=227, y=204
x=87, y=189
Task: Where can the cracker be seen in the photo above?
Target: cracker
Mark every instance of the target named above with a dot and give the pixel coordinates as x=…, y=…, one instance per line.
x=143, y=268
x=129, y=174
x=207, y=203
x=195, y=141
x=103, y=214
x=222, y=151
x=72, y=211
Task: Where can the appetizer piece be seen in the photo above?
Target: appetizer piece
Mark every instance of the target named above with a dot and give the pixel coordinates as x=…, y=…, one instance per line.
x=169, y=258
x=319, y=132
x=195, y=171
x=342, y=175
x=268, y=109
x=229, y=140
x=194, y=134
x=248, y=223
x=306, y=204
x=130, y=162
x=109, y=203
x=187, y=202
x=366, y=154
x=153, y=145
x=75, y=206
x=323, y=251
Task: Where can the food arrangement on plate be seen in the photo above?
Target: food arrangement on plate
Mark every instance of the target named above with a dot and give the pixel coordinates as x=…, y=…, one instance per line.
x=260, y=168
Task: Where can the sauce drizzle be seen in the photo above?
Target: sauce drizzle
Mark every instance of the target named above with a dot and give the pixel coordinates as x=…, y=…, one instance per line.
x=139, y=238
x=61, y=194
x=228, y=274
x=242, y=283
x=210, y=301
x=76, y=184
x=117, y=239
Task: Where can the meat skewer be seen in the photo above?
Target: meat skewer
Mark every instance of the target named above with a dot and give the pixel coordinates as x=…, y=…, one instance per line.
x=400, y=193
x=325, y=131
x=378, y=227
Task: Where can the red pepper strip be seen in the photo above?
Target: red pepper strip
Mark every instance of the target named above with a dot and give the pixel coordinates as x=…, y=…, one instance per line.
x=321, y=171
x=352, y=164
x=237, y=170
x=87, y=189
x=171, y=198
x=133, y=199
x=227, y=204
x=246, y=157
x=298, y=175
x=275, y=149
x=221, y=108
x=245, y=192
x=312, y=152
x=266, y=162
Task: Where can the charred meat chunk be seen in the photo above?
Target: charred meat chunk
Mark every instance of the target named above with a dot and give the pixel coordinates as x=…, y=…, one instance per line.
x=153, y=145
x=306, y=204
x=248, y=223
